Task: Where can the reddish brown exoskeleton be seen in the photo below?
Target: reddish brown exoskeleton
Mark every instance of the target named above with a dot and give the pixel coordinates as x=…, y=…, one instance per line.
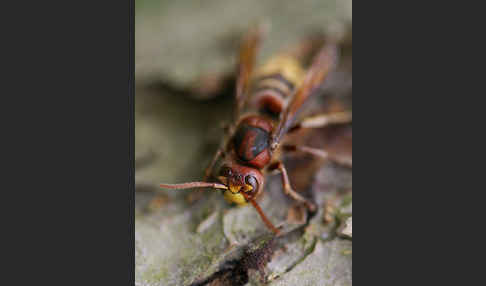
x=267, y=101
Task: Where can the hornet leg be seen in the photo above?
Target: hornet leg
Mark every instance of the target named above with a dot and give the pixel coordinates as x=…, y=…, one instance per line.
x=319, y=153
x=323, y=120
x=288, y=188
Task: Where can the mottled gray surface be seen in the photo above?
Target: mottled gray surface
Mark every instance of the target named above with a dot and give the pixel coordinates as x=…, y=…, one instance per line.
x=180, y=41
x=180, y=241
x=328, y=264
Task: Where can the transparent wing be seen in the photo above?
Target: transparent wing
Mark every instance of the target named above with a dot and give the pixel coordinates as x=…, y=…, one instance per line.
x=323, y=63
x=246, y=62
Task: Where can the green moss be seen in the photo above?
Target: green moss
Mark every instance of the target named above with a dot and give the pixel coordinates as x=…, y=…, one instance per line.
x=346, y=200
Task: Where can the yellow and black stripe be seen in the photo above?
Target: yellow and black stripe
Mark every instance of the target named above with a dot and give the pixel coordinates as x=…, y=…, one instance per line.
x=273, y=83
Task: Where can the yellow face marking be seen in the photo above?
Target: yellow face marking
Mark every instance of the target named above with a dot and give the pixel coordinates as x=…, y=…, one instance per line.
x=234, y=198
x=248, y=188
x=233, y=195
x=234, y=189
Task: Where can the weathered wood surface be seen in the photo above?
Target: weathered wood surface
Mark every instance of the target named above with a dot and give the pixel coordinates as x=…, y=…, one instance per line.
x=181, y=241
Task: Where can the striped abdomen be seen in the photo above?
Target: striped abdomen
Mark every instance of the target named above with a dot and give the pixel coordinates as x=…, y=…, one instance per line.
x=272, y=86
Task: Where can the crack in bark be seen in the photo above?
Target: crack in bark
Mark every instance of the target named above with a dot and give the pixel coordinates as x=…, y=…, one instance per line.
x=256, y=255
x=235, y=272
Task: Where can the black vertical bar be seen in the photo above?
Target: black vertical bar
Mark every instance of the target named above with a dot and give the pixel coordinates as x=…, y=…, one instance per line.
x=131, y=161
x=66, y=101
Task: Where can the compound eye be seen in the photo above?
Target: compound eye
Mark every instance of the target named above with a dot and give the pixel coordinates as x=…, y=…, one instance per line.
x=252, y=181
x=225, y=171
